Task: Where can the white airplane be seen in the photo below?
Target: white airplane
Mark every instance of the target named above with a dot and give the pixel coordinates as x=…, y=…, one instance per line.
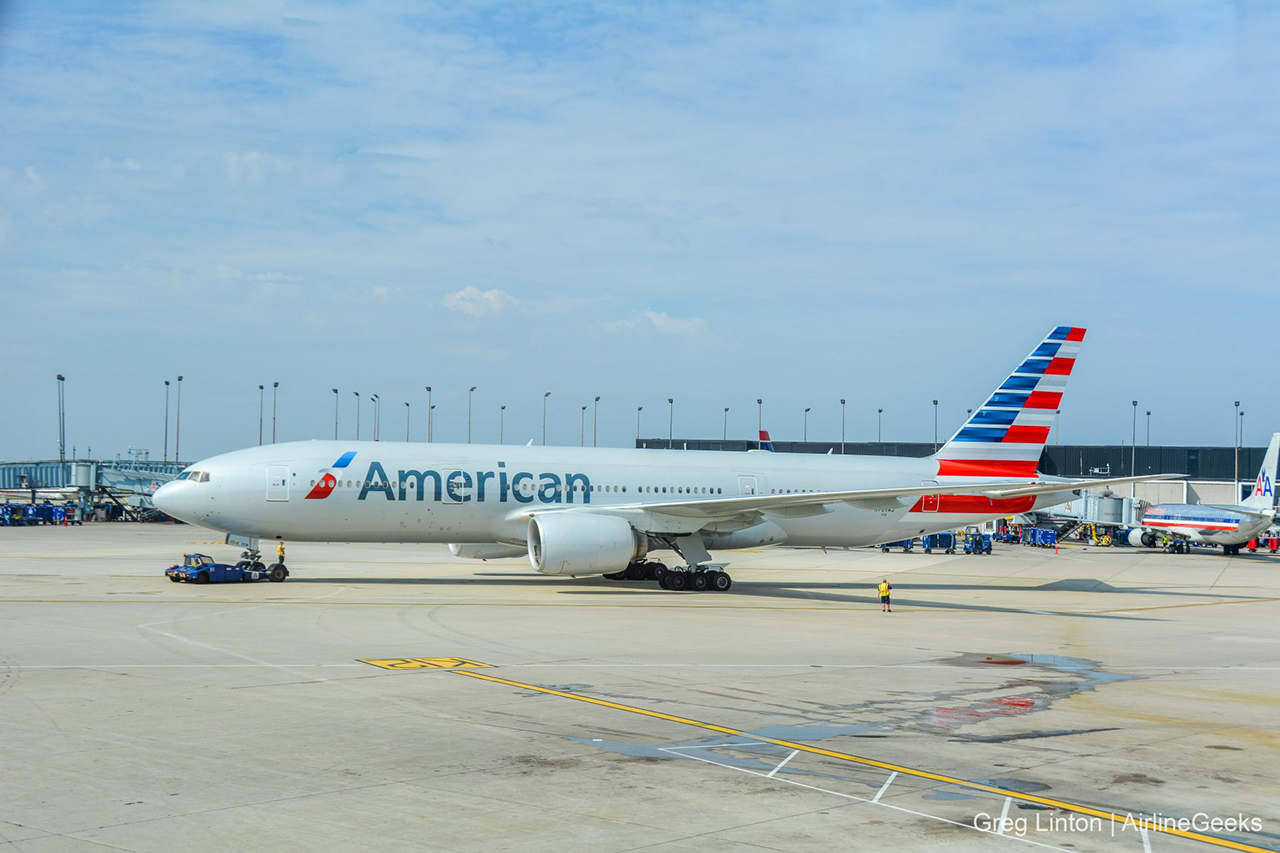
x=597, y=511
x=1204, y=524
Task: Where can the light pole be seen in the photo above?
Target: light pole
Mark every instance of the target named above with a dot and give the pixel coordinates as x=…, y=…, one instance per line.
x=430, y=411
x=935, y=425
x=544, y=418
x=62, y=419
x=671, y=423
x=177, y=426
x=1057, y=436
x=759, y=415
x=582, y=429
x=407, y=412
x=357, y=393
x=842, y=426
x=879, y=423
x=377, y=416
x=1236, y=423
x=274, y=386
x=1239, y=443
x=595, y=420
x=805, y=433
x=166, y=421
x=502, y=424
x=1133, y=442
x=469, y=395
x=639, y=409
x=260, y=411
x=1148, y=427
x=335, y=414
x=724, y=435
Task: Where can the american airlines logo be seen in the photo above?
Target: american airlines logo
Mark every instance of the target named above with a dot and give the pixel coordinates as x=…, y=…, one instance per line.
x=1263, y=488
x=460, y=486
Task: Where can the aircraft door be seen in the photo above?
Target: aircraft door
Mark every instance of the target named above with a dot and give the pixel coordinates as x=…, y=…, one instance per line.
x=929, y=503
x=277, y=482
x=746, y=484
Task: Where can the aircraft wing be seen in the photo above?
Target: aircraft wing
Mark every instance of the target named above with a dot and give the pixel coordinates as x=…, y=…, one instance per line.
x=812, y=503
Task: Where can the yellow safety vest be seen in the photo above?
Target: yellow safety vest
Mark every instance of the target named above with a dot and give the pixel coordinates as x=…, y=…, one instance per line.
x=884, y=589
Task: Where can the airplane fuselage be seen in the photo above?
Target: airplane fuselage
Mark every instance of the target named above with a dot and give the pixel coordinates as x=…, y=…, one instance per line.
x=415, y=492
x=1205, y=525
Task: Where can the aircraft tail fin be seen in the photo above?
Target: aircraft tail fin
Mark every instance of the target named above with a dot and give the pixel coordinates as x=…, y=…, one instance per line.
x=1264, y=492
x=766, y=443
x=1005, y=435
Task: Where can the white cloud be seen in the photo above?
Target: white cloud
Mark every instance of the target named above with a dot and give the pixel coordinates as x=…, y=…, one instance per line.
x=106, y=164
x=252, y=167
x=660, y=322
x=476, y=302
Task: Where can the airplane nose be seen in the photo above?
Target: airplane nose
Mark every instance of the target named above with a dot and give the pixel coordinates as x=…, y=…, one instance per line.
x=164, y=500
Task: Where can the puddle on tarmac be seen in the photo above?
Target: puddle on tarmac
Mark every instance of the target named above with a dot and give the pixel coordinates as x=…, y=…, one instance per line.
x=1032, y=693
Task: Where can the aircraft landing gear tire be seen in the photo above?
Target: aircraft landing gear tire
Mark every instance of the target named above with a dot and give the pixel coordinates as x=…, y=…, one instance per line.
x=258, y=566
x=277, y=573
x=615, y=576
x=720, y=582
x=700, y=581
x=657, y=572
x=678, y=581
x=636, y=572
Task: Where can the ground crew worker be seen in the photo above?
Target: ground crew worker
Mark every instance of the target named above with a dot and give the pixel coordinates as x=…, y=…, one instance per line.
x=280, y=553
x=884, y=596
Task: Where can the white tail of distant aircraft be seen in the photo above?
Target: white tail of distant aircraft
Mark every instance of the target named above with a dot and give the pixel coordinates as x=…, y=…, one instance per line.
x=591, y=511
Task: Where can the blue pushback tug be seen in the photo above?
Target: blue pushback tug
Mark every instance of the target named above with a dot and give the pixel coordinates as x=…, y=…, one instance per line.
x=200, y=568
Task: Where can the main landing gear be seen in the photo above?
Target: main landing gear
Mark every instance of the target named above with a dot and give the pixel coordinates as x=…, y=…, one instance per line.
x=696, y=578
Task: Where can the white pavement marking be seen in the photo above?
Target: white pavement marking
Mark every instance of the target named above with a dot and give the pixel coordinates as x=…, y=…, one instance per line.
x=676, y=751
x=1146, y=841
x=716, y=745
x=782, y=763
x=885, y=787
x=1004, y=815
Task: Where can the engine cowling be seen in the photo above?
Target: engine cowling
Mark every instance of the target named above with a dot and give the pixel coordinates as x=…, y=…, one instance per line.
x=579, y=543
x=1139, y=538
x=485, y=550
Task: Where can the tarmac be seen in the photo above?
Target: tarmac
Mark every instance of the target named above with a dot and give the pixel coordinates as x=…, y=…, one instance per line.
x=392, y=697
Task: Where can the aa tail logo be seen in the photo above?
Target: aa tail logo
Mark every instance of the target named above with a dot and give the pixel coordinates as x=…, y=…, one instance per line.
x=1263, y=488
x=328, y=482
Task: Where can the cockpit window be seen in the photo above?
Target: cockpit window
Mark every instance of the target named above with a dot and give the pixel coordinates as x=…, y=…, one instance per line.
x=184, y=475
x=194, y=476
x=201, y=477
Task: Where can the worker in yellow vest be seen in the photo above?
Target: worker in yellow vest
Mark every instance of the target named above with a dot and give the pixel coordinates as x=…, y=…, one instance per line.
x=884, y=596
x=280, y=553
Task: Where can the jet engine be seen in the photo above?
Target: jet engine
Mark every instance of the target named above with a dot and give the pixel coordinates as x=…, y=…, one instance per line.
x=580, y=543
x=485, y=550
x=1141, y=539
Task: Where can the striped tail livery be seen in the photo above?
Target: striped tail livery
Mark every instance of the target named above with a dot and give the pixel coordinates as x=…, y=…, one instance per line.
x=1005, y=436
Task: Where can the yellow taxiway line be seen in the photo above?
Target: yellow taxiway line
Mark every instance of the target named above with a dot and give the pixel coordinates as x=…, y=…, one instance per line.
x=1150, y=826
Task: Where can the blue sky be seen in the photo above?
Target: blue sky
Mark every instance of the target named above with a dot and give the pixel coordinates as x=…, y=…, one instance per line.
x=885, y=202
